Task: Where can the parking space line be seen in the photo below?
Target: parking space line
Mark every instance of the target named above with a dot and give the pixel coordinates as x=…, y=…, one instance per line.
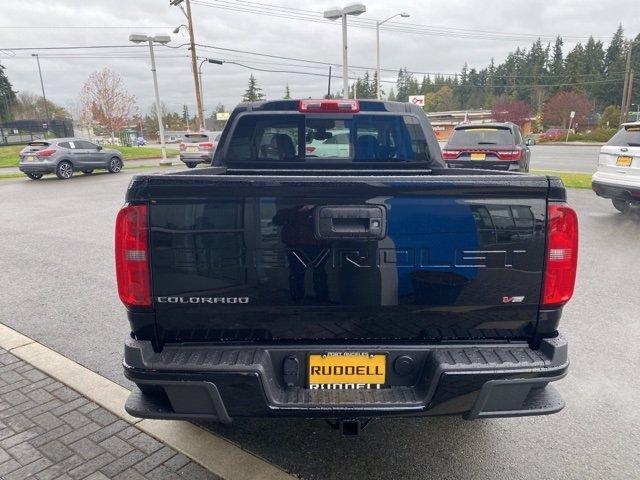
x=216, y=454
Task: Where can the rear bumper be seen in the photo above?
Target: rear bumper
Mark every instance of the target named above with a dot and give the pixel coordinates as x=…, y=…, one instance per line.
x=621, y=191
x=217, y=383
x=195, y=157
x=37, y=167
x=503, y=165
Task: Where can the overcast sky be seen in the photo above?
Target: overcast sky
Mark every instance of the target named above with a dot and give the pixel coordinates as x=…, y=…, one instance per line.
x=289, y=37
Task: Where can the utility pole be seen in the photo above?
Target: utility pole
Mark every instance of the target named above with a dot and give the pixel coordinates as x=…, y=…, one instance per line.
x=629, y=93
x=44, y=97
x=194, y=61
x=329, y=86
x=625, y=88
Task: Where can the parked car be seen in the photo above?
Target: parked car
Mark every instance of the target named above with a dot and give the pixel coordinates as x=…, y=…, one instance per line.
x=198, y=147
x=376, y=282
x=618, y=174
x=493, y=146
x=63, y=156
x=554, y=134
x=141, y=142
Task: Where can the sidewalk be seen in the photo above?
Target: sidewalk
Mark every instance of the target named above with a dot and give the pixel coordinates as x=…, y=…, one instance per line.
x=128, y=163
x=49, y=431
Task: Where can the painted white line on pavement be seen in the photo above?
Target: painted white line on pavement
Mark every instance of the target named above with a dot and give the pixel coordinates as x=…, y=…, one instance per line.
x=216, y=454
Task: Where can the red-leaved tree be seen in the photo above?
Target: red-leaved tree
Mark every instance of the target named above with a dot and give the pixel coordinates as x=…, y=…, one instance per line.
x=558, y=109
x=105, y=101
x=516, y=111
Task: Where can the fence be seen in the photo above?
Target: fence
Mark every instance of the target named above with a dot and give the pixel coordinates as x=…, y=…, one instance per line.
x=18, y=132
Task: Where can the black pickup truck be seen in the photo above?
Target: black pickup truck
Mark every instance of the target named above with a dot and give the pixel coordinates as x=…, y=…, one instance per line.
x=329, y=265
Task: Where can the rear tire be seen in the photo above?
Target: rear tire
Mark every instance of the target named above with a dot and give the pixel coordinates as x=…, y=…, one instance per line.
x=34, y=176
x=623, y=206
x=87, y=172
x=191, y=165
x=64, y=170
x=115, y=165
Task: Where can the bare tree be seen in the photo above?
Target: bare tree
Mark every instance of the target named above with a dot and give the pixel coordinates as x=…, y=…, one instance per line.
x=29, y=105
x=105, y=101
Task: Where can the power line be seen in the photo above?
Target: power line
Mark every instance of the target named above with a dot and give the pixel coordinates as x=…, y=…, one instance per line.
x=355, y=67
x=412, y=28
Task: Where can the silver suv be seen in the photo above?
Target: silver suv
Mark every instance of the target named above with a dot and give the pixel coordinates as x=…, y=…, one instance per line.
x=198, y=147
x=63, y=156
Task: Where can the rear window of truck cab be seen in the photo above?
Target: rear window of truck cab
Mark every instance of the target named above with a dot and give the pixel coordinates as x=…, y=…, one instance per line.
x=481, y=137
x=326, y=138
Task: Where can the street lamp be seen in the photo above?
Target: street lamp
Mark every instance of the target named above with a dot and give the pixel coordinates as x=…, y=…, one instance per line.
x=162, y=39
x=205, y=60
x=378, y=23
x=44, y=97
x=177, y=29
x=335, y=14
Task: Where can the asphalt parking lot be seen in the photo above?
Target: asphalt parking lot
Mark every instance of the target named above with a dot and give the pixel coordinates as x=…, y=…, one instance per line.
x=59, y=288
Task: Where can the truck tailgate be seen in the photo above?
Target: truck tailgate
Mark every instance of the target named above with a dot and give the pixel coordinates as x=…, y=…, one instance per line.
x=354, y=259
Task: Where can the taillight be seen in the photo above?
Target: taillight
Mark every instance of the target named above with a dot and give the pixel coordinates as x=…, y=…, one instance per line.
x=206, y=145
x=561, y=255
x=509, y=154
x=310, y=149
x=329, y=106
x=47, y=152
x=132, y=256
x=450, y=154
x=182, y=146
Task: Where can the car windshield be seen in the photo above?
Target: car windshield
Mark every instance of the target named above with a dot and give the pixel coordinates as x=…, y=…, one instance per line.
x=627, y=137
x=327, y=138
x=196, y=137
x=470, y=137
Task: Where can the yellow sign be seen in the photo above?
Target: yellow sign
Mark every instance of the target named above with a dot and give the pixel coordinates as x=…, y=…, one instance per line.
x=347, y=368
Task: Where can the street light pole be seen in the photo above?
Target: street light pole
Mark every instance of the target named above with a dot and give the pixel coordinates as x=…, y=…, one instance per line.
x=345, y=61
x=163, y=39
x=355, y=9
x=163, y=145
x=378, y=23
x=44, y=97
x=210, y=60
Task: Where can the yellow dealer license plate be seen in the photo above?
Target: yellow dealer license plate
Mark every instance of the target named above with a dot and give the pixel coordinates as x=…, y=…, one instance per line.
x=624, y=161
x=192, y=149
x=478, y=156
x=346, y=370
x=30, y=158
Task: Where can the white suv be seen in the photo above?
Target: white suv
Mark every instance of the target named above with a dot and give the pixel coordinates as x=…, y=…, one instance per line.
x=618, y=175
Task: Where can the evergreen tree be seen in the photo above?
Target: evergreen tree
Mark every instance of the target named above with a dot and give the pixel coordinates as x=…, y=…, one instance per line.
x=253, y=92
x=7, y=96
x=287, y=93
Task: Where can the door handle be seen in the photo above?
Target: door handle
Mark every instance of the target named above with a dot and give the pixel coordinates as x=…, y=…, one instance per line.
x=356, y=222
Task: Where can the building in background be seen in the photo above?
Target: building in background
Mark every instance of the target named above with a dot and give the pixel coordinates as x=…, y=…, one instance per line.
x=444, y=122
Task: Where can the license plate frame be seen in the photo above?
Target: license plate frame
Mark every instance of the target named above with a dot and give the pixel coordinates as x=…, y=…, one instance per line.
x=478, y=156
x=29, y=158
x=356, y=370
x=624, y=161
x=192, y=149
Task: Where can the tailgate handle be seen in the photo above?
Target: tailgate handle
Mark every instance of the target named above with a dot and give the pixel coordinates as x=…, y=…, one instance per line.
x=362, y=222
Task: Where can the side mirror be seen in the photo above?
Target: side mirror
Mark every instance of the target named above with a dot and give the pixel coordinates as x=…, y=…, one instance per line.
x=529, y=142
x=99, y=147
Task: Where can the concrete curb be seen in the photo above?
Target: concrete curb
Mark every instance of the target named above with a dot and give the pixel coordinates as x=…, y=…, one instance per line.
x=214, y=453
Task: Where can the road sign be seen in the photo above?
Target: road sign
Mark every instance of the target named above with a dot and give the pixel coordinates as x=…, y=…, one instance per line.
x=417, y=100
x=45, y=126
x=572, y=114
x=222, y=115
